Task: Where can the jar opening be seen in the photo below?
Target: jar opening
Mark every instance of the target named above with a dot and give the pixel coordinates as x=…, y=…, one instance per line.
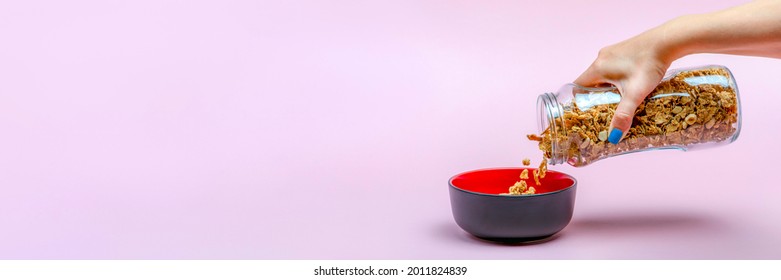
x=549, y=109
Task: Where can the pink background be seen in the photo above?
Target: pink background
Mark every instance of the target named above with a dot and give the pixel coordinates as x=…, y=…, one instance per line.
x=328, y=130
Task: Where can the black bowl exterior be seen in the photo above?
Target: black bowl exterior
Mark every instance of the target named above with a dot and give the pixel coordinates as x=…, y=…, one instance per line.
x=498, y=217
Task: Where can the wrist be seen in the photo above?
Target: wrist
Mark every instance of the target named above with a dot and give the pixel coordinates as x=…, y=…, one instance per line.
x=671, y=41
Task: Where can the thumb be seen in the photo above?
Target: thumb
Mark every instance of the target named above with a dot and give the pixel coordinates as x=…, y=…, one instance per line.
x=622, y=118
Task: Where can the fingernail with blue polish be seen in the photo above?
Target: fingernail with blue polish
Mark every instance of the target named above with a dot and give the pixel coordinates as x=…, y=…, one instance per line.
x=615, y=136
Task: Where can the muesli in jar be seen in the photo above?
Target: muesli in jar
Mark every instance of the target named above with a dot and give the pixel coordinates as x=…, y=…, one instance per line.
x=690, y=108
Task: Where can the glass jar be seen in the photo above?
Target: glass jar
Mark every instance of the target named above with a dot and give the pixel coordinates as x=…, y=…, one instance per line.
x=690, y=109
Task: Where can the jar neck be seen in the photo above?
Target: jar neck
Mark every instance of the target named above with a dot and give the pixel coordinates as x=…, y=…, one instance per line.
x=550, y=110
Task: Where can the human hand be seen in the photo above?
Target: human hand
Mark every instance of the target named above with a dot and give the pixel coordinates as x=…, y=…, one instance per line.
x=635, y=67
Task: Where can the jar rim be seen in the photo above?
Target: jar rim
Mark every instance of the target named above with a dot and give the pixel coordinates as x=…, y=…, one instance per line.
x=549, y=109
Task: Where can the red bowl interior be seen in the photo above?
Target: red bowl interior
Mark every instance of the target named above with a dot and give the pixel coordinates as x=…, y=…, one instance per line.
x=496, y=181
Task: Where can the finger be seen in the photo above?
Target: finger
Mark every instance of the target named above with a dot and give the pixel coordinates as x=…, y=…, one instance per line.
x=633, y=92
x=631, y=96
x=622, y=119
x=590, y=77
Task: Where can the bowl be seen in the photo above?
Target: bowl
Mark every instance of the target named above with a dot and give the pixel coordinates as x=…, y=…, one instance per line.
x=480, y=210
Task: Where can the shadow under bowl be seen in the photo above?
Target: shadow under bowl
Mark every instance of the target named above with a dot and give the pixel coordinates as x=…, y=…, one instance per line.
x=480, y=210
